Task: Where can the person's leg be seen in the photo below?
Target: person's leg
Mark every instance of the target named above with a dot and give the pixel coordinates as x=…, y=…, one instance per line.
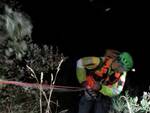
x=85, y=105
x=98, y=107
x=102, y=104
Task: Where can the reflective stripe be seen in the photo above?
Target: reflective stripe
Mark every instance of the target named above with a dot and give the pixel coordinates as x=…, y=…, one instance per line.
x=123, y=76
x=80, y=64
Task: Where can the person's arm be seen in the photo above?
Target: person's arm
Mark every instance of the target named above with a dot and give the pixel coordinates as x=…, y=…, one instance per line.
x=114, y=89
x=83, y=63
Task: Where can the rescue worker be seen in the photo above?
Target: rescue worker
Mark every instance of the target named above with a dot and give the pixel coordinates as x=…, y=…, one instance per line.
x=102, y=77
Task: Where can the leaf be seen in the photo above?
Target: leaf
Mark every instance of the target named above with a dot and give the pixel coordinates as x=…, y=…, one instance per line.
x=64, y=111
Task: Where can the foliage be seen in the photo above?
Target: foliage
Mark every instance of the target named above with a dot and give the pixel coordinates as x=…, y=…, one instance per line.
x=15, y=35
x=136, y=105
x=18, y=100
x=17, y=51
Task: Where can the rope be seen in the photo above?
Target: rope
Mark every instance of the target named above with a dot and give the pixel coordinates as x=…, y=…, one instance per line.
x=44, y=86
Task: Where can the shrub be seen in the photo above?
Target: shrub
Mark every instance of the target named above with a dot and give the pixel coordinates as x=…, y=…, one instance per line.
x=128, y=104
x=17, y=51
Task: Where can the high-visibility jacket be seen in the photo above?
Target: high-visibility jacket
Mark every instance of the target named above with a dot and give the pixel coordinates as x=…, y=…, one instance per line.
x=86, y=64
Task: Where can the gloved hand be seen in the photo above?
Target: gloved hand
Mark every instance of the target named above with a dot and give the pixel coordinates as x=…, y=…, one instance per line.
x=97, y=86
x=92, y=92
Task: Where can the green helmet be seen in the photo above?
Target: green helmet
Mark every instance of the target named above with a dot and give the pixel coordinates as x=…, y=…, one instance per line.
x=126, y=60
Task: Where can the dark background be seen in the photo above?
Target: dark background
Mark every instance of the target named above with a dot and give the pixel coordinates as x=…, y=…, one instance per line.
x=88, y=27
x=85, y=27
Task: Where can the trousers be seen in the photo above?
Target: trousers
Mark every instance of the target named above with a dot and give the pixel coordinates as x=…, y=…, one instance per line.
x=89, y=105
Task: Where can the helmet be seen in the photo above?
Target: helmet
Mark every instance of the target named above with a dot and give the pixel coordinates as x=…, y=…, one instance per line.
x=126, y=60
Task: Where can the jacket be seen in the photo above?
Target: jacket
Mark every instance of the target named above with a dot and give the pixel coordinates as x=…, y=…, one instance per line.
x=96, y=63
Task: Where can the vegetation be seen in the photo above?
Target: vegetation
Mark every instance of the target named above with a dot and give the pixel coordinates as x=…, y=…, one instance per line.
x=128, y=104
x=19, y=58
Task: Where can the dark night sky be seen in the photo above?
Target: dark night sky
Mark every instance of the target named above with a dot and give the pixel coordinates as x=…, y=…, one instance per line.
x=87, y=28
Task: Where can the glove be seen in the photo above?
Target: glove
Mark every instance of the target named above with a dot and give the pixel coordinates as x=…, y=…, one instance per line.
x=92, y=92
x=96, y=87
x=91, y=86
